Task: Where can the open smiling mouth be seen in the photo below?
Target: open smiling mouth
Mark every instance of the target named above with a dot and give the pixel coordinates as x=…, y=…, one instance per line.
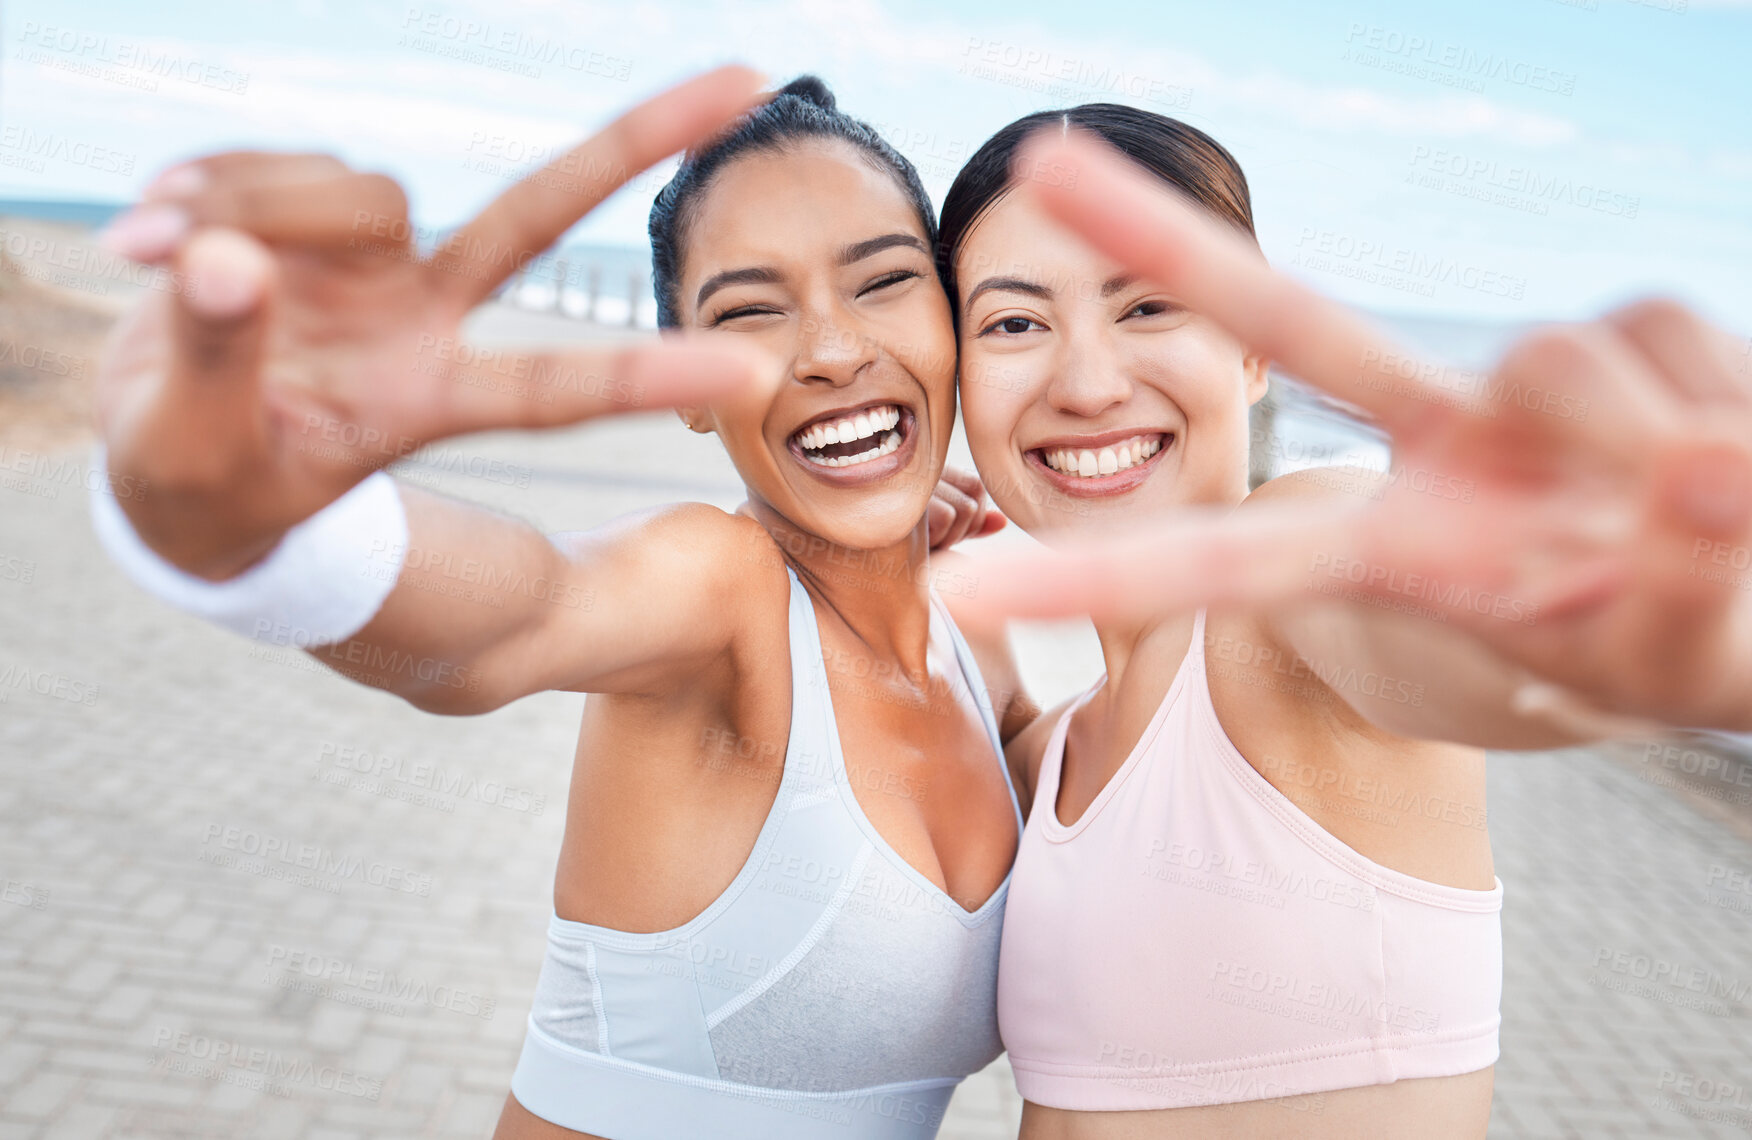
x=1114, y=465
x=856, y=438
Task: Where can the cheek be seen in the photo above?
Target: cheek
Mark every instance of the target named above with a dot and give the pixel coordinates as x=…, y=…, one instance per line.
x=995, y=393
x=996, y=388
x=1205, y=381
x=921, y=339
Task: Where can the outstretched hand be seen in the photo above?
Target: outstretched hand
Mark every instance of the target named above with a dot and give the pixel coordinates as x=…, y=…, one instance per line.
x=311, y=342
x=1585, y=509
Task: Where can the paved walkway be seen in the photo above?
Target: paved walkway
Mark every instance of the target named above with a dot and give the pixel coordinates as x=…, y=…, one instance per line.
x=211, y=855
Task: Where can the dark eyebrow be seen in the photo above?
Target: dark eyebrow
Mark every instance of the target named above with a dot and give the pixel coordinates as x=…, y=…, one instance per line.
x=1115, y=284
x=1008, y=284
x=852, y=254
x=760, y=276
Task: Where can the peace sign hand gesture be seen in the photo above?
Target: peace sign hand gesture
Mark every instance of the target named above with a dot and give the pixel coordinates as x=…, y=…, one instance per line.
x=1600, y=537
x=310, y=342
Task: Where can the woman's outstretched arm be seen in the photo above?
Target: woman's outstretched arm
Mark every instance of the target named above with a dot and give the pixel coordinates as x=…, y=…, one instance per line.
x=1391, y=653
x=488, y=609
x=311, y=341
x=1595, y=487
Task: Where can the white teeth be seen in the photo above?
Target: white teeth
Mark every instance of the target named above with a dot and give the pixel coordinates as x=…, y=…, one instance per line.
x=886, y=446
x=1090, y=463
x=879, y=421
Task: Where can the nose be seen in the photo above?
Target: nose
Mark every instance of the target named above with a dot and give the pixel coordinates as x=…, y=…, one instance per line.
x=1087, y=379
x=831, y=348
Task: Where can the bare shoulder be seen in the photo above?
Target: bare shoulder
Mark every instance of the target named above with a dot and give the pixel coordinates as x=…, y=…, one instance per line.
x=679, y=544
x=685, y=582
x=672, y=531
x=1324, y=484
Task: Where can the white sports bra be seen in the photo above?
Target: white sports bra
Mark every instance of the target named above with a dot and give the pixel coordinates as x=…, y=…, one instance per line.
x=831, y=990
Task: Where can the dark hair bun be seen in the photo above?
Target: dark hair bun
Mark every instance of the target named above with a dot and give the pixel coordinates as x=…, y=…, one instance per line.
x=811, y=89
x=803, y=109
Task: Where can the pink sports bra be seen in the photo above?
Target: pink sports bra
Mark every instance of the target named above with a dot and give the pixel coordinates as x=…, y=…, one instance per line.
x=1195, y=938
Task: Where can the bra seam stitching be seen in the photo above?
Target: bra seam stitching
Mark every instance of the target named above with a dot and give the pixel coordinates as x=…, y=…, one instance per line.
x=584, y=1056
x=1369, y=1044
x=596, y=999
x=829, y=914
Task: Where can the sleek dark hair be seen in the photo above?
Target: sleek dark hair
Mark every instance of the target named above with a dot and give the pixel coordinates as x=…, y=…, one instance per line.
x=1180, y=155
x=803, y=109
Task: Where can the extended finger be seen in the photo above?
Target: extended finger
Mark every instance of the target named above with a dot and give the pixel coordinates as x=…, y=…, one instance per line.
x=1195, y=558
x=194, y=175
x=533, y=214
x=487, y=389
x=151, y=231
x=334, y=211
x=1152, y=230
x=1692, y=356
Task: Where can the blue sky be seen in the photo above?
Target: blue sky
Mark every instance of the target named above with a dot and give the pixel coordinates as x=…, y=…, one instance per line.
x=1519, y=159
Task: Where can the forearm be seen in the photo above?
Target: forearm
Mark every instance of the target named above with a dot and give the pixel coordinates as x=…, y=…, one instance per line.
x=1416, y=678
x=462, y=630
x=460, y=610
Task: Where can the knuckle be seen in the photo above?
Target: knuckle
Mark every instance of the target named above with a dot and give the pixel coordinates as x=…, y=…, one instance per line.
x=1556, y=350
x=323, y=159
x=385, y=194
x=1654, y=316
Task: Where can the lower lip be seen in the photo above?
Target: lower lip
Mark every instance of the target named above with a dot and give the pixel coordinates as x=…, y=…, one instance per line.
x=1097, y=486
x=871, y=471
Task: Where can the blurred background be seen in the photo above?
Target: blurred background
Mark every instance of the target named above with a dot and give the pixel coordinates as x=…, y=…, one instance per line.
x=1461, y=171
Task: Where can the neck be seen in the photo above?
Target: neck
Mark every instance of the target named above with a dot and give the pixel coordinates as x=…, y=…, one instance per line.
x=1136, y=651
x=881, y=596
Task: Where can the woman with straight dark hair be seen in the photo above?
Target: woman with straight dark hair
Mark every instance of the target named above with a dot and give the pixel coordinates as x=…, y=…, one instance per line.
x=1255, y=894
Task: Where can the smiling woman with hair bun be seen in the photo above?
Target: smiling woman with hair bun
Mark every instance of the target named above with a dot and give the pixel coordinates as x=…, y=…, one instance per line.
x=790, y=827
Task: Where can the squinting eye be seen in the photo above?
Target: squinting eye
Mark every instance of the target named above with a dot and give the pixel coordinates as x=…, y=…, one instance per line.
x=732, y=314
x=1149, y=309
x=889, y=279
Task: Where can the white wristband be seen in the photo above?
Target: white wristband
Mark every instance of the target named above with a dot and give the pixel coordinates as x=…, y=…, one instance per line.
x=325, y=580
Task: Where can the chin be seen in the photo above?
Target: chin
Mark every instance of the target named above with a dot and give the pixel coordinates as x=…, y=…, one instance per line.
x=872, y=526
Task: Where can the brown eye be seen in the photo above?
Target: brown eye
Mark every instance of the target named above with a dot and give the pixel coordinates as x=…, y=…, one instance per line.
x=1011, y=326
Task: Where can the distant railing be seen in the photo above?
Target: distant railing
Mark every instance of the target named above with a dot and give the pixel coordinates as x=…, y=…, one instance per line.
x=601, y=289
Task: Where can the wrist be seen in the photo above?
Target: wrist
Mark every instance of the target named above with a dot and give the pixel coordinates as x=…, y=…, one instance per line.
x=319, y=583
